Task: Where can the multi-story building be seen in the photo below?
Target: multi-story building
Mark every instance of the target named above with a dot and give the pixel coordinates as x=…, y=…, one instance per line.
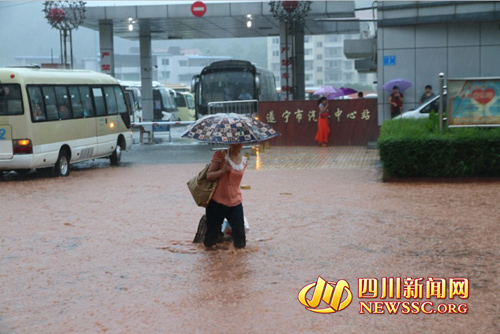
x=324, y=62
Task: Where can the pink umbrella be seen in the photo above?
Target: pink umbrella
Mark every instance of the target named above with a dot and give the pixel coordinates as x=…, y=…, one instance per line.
x=325, y=90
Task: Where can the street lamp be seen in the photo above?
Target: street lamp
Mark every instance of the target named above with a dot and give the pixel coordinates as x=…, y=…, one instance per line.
x=65, y=16
x=292, y=14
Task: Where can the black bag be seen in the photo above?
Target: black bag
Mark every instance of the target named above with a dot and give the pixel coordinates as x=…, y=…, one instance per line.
x=202, y=229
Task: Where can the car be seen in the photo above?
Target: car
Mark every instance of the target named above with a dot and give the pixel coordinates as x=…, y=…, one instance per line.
x=185, y=106
x=424, y=109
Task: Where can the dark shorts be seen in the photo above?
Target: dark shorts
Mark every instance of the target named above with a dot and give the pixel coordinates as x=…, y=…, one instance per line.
x=216, y=213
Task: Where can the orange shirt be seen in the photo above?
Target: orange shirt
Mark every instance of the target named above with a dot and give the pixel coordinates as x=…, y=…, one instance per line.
x=228, y=191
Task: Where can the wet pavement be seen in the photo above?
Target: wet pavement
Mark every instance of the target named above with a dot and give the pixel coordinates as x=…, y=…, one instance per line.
x=108, y=249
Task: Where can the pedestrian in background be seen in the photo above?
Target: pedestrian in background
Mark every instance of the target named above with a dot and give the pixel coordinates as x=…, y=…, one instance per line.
x=428, y=95
x=360, y=95
x=396, y=100
x=323, y=120
x=227, y=167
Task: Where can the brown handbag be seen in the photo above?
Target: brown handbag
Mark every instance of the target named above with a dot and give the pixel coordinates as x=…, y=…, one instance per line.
x=202, y=189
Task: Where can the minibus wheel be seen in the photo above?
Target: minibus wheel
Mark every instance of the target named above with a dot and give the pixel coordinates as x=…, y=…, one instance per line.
x=116, y=157
x=61, y=167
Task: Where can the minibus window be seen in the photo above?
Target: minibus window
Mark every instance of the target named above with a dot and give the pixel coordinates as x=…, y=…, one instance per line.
x=10, y=100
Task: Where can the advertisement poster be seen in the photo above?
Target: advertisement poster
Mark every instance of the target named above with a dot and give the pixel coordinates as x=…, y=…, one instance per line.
x=474, y=102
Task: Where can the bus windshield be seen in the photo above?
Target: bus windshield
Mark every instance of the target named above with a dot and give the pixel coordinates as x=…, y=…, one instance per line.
x=227, y=86
x=10, y=100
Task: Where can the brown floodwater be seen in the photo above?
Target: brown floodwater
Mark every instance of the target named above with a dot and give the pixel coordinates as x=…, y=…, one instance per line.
x=109, y=250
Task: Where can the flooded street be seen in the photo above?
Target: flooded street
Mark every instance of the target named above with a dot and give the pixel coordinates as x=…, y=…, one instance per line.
x=109, y=250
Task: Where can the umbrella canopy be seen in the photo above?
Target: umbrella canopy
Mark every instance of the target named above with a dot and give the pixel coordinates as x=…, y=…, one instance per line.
x=401, y=83
x=342, y=91
x=229, y=129
x=325, y=90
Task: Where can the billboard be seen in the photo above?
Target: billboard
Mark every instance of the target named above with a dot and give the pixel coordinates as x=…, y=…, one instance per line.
x=474, y=102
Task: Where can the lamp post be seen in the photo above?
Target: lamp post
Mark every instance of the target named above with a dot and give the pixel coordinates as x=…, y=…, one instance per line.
x=65, y=16
x=292, y=14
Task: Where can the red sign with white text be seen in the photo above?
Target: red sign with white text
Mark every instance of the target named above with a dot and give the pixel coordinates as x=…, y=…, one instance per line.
x=198, y=9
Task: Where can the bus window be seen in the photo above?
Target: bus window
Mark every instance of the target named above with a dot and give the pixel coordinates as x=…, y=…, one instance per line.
x=63, y=103
x=50, y=103
x=179, y=101
x=36, y=104
x=76, y=102
x=190, y=101
x=120, y=100
x=109, y=92
x=99, y=101
x=10, y=100
x=88, y=106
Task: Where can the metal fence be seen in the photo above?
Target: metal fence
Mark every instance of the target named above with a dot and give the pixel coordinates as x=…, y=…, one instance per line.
x=244, y=107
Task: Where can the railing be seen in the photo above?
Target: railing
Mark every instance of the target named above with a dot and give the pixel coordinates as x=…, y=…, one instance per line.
x=244, y=107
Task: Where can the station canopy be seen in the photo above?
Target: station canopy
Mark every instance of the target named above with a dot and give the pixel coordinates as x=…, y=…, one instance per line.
x=222, y=19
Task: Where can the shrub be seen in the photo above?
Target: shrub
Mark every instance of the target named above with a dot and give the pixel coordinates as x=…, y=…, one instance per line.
x=411, y=148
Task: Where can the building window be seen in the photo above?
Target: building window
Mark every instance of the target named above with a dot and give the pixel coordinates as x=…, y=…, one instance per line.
x=165, y=61
x=333, y=52
x=319, y=69
x=307, y=39
x=276, y=40
x=276, y=53
x=363, y=77
x=319, y=57
x=185, y=77
x=165, y=74
x=319, y=82
x=183, y=63
x=309, y=77
x=348, y=64
x=319, y=44
x=332, y=38
x=308, y=65
x=348, y=76
x=275, y=67
x=308, y=52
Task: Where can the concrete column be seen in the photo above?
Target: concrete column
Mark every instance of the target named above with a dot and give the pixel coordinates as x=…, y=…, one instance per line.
x=146, y=70
x=299, y=66
x=106, y=47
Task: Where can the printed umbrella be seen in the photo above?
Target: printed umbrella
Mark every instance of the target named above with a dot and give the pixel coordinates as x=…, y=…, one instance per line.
x=342, y=92
x=229, y=129
x=401, y=83
x=325, y=90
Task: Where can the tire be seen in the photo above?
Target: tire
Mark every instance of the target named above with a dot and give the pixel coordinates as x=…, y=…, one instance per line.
x=61, y=168
x=116, y=157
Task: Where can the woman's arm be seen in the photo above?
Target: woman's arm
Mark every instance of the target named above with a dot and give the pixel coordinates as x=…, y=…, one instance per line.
x=215, y=171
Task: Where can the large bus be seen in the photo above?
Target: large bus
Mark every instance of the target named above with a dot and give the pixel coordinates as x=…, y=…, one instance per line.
x=232, y=80
x=52, y=118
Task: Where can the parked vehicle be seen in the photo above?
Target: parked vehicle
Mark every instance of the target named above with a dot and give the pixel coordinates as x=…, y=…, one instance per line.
x=424, y=109
x=232, y=82
x=185, y=106
x=53, y=118
x=164, y=107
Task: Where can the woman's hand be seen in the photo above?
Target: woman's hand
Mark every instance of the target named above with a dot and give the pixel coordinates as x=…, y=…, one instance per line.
x=226, y=168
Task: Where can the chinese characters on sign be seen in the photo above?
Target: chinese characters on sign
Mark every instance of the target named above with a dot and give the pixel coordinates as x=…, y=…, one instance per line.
x=313, y=117
x=412, y=288
x=106, y=61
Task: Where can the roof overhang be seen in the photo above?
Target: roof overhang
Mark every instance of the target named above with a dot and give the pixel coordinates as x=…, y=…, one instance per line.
x=222, y=19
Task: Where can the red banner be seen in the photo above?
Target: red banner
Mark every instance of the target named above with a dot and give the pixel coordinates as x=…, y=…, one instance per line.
x=352, y=122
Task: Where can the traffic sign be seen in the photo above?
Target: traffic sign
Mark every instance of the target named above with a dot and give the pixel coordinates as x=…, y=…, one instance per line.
x=198, y=9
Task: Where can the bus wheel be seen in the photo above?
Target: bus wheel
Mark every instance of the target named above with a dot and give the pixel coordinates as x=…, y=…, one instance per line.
x=116, y=157
x=61, y=167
